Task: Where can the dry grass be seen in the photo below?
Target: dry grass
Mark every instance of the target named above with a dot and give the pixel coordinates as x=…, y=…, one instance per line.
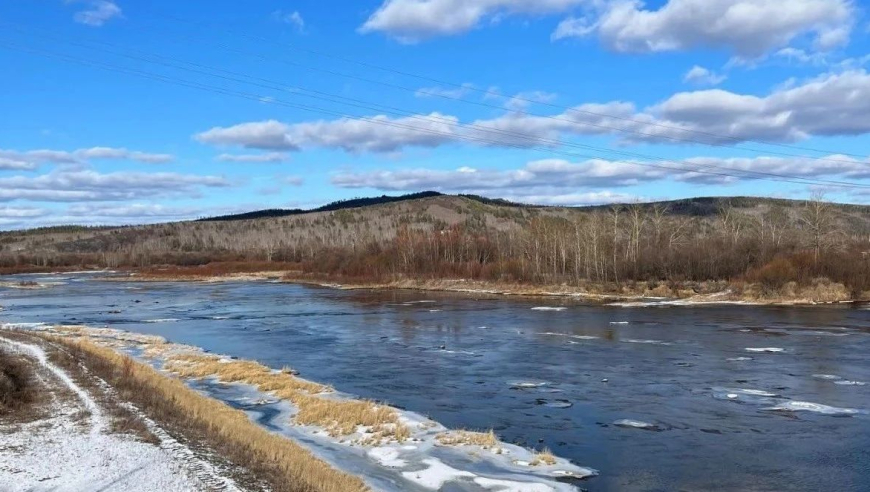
x=337, y=417
x=485, y=440
x=18, y=384
x=545, y=457
x=279, y=461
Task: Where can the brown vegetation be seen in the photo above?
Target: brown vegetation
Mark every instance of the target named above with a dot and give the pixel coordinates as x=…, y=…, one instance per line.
x=18, y=384
x=338, y=417
x=276, y=461
x=670, y=248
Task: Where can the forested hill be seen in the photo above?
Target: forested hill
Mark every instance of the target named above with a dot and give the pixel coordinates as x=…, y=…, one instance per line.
x=434, y=235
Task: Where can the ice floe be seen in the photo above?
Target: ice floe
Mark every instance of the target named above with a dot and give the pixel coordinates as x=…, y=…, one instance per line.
x=568, y=335
x=636, y=424
x=838, y=380
x=765, y=350
x=648, y=342
x=805, y=406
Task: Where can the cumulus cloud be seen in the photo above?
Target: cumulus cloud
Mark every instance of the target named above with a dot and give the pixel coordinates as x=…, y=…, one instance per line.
x=415, y=20
x=833, y=104
x=747, y=28
x=13, y=159
x=375, y=134
x=253, y=158
x=17, y=213
x=561, y=177
x=88, y=185
x=703, y=76
x=97, y=13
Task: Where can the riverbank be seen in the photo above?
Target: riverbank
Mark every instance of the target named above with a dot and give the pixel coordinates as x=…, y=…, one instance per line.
x=390, y=448
x=64, y=427
x=626, y=294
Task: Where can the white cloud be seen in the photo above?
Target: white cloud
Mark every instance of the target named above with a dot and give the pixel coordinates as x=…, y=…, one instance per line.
x=748, y=28
x=293, y=180
x=560, y=177
x=253, y=158
x=833, y=104
x=14, y=159
x=375, y=134
x=702, y=76
x=137, y=211
x=415, y=20
x=98, y=12
x=522, y=100
x=8, y=163
x=450, y=93
x=88, y=185
x=293, y=18
x=17, y=213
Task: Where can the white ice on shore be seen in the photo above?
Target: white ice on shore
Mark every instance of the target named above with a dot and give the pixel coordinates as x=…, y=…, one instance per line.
x=57, y=454
x=436, y=474
x=421, y=461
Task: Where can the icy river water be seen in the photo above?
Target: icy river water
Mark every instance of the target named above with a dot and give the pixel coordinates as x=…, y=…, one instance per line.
x=655, y=398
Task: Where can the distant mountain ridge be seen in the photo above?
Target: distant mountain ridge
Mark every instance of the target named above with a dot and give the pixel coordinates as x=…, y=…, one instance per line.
x=693, y=207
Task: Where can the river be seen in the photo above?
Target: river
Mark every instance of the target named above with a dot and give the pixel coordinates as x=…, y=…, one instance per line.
x=728, y=397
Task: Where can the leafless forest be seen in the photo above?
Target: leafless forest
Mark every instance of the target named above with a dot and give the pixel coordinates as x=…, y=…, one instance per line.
x=774, y=245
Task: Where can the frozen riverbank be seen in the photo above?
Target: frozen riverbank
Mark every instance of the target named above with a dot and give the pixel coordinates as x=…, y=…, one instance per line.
x=399, y=450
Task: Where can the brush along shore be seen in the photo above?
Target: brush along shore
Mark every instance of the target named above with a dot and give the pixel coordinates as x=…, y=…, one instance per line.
x=389, y=448
x=817, y=291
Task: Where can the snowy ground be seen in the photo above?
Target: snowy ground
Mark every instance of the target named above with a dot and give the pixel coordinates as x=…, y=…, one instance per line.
x=71, y=449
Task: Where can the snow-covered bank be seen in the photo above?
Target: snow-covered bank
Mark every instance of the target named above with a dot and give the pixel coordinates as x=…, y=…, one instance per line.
x=428, y=457
x=67, y=453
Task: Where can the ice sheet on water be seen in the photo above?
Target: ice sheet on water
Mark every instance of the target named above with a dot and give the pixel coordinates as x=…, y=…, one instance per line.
x=576, y=337
x=648, y=342
x=558, y=403
x=744, y=395
x=806, y=406
x=636, y=424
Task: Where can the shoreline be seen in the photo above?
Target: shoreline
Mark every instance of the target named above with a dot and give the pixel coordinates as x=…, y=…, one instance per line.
x=401, y=450
x=682, y=294
x=720, y=297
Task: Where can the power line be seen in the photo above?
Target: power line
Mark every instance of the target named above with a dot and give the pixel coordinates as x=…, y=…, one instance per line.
x=258, y=97
x=428, y=118
x=490, y=93
x=484, y=104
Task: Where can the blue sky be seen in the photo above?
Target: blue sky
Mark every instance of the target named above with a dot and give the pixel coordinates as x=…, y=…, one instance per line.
x=124, y=112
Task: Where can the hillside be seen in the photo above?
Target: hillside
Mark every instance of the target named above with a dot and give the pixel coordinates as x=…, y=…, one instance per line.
x=429, y=235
